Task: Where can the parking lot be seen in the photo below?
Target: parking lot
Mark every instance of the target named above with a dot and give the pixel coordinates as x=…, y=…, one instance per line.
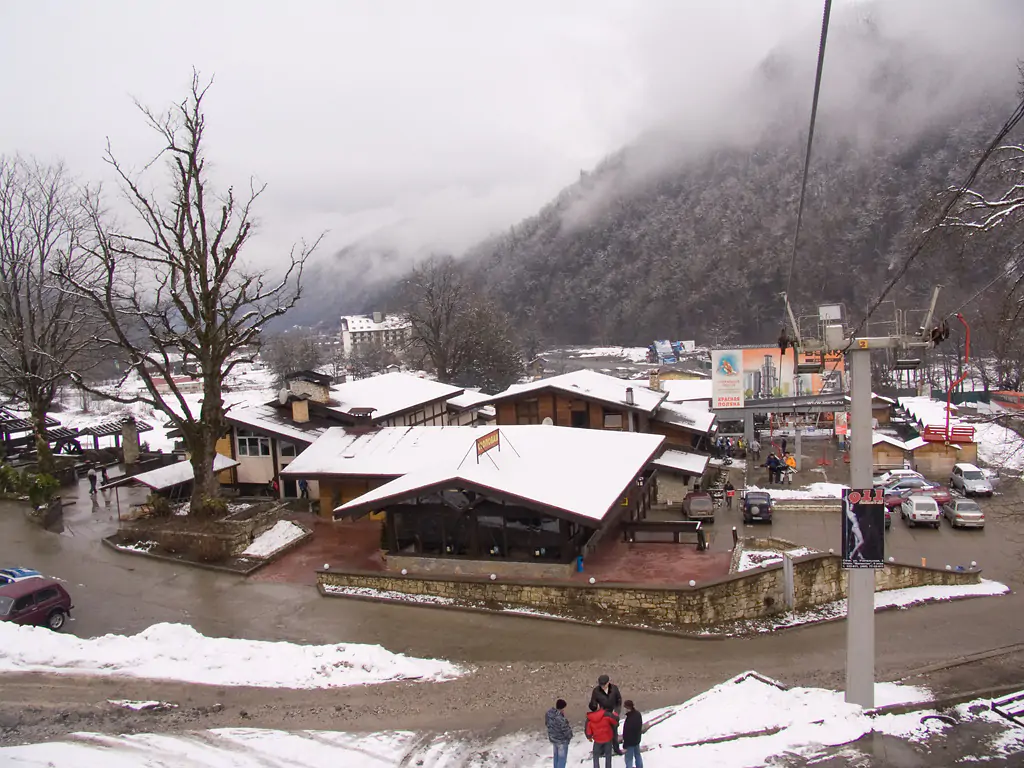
x=998, y=548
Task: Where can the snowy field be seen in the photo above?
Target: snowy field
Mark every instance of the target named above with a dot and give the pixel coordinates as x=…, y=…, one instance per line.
x=629, y=354
x=747, y=720
x=178, y=652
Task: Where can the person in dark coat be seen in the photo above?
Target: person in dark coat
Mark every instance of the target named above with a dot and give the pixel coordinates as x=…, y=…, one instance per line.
x=632, y=731
x=559, y=732
x=606, y=696
x=730, y=492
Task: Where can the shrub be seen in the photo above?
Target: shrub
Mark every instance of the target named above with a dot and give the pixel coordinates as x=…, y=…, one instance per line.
x=212, y=506
x=159, y=505
x=11, y=480
x=41, y=488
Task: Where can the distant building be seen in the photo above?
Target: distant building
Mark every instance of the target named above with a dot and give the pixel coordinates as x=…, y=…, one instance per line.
x=390, y=332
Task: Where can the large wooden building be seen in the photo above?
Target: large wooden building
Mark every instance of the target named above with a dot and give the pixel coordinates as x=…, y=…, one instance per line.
x=590, y=400
x=467, y=499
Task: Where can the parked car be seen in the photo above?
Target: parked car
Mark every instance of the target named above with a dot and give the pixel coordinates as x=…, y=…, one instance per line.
x=905, y=483
x=896, y=495
x=970, y=480
x=938, y=492
x=757, y=505
x=963, y=513
x=892, y=476
x=920, y=510
x=11, y=575
x=42, y=602
x=698, y=505
x=888, y=518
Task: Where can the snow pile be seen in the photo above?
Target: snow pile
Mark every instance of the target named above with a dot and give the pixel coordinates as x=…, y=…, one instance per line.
x=632, y=354
x=755, y=558
x=270, y=541
x=747, y=721
x=142, y=706
x=179, y=652
x=812, y=491
x=999, y=446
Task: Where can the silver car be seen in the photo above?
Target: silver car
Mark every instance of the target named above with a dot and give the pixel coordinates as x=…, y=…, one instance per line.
x=970, y=480
x=963, y=513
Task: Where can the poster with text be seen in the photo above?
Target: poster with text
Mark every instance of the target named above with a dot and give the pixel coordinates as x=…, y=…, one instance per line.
x=863, y=528
x=766, y=373
x=726, y=378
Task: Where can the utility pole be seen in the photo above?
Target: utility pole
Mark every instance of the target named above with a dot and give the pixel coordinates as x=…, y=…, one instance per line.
x=860, y=615
x=860, y=596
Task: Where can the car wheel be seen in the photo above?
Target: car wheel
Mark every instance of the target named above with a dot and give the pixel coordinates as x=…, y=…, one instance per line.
x=56, y=619
x=936, y=526
x=911, y=523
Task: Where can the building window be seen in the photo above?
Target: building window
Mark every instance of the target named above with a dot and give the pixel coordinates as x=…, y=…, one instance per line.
x=287, y=449
x=612, y=420
x=251, y=444
x=527, y=412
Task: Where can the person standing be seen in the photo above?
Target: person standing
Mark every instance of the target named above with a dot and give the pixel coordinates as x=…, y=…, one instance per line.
x=92, y=480
x=632, y=731
x=730, y=492
x=785, y=442
x=790, y=467
x=601, y=730
x=559, y=732
x=303, y=489
x=606, y=696
x=755, y=447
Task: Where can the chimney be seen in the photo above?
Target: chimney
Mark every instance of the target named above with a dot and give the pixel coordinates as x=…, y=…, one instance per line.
x=629, y=396
x=655, y=381
x=378, y=317
x=300, y=411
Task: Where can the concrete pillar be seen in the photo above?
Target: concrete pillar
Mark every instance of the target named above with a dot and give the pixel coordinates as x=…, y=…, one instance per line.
x=130, y=440
x=860, y=616
x=796, y=447
x=748, y=427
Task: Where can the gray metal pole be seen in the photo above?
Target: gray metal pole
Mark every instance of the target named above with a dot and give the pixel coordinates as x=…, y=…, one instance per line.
x=798, y=449
x=860, y=616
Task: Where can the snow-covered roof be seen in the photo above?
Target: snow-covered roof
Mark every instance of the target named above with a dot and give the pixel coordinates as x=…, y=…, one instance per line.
x=267, y=418
x=175, y=474
x=592, y=385
x=580, y=472
x=695, y=419
x=389, y=393
x=877, y=437
x=928, y=412
x=875, y=396
x=681, y=390
x=682, y=461
x=917, y=442
x=366, y=323
x=468, y=400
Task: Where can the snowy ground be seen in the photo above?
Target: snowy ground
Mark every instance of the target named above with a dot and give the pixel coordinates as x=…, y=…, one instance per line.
x=247, y=385
x=178, y=652
x=812, y=491
x=755, y=558
x=999, y=446
x=631, y=354
x=742, y=722
x=281, y=535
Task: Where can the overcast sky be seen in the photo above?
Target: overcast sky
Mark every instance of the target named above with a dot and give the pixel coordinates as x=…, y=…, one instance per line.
x=423, y=124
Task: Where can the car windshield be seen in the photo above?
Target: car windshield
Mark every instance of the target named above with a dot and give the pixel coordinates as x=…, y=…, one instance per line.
x=5, y=605
x=757, y=498
x=967, y=506
x=924, y=506
x=973, y=474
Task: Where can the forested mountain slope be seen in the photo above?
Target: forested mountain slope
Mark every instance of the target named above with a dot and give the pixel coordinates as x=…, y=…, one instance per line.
x=683, y=238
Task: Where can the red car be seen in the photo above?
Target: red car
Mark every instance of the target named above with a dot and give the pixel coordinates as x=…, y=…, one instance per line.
x=896, y=497
x=40, y=601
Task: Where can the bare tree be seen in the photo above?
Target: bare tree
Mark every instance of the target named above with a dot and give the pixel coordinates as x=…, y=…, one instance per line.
x=467, y=340
x=369, y=358
x=291, y=351
x=174, y=288
x=43, y=330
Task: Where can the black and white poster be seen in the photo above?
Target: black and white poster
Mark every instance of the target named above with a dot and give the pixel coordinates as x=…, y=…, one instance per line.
x=863, y=528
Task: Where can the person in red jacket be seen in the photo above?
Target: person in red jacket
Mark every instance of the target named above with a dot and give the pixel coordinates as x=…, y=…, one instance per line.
x=600, y=729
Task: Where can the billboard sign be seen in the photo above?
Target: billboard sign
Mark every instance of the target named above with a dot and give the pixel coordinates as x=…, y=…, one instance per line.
x=766, y=373
x=863, y=528
x=727, y=378
x=842, y=422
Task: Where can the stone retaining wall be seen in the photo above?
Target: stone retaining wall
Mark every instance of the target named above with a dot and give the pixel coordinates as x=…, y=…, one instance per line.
x=749, y=595
x=449, y=566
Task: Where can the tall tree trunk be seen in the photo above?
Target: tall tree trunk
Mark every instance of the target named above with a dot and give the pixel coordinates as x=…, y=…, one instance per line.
x=45, y=455
x=204, y=443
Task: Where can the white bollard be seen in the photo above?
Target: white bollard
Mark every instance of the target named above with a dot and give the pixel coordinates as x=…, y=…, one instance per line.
x=693, y=583
x=327, y=566
x=593, y=580
x=493, y=577
x=405, y=572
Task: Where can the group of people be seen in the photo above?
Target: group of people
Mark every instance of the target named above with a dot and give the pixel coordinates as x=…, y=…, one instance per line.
x=780, y=468
x=601, y=727
x=94, y=477
x=733, y=448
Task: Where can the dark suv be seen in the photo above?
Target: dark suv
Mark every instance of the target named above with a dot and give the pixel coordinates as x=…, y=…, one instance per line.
x=757, y=505
x=43, y=602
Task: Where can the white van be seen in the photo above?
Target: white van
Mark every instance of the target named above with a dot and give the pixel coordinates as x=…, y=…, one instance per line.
x=970, y=480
